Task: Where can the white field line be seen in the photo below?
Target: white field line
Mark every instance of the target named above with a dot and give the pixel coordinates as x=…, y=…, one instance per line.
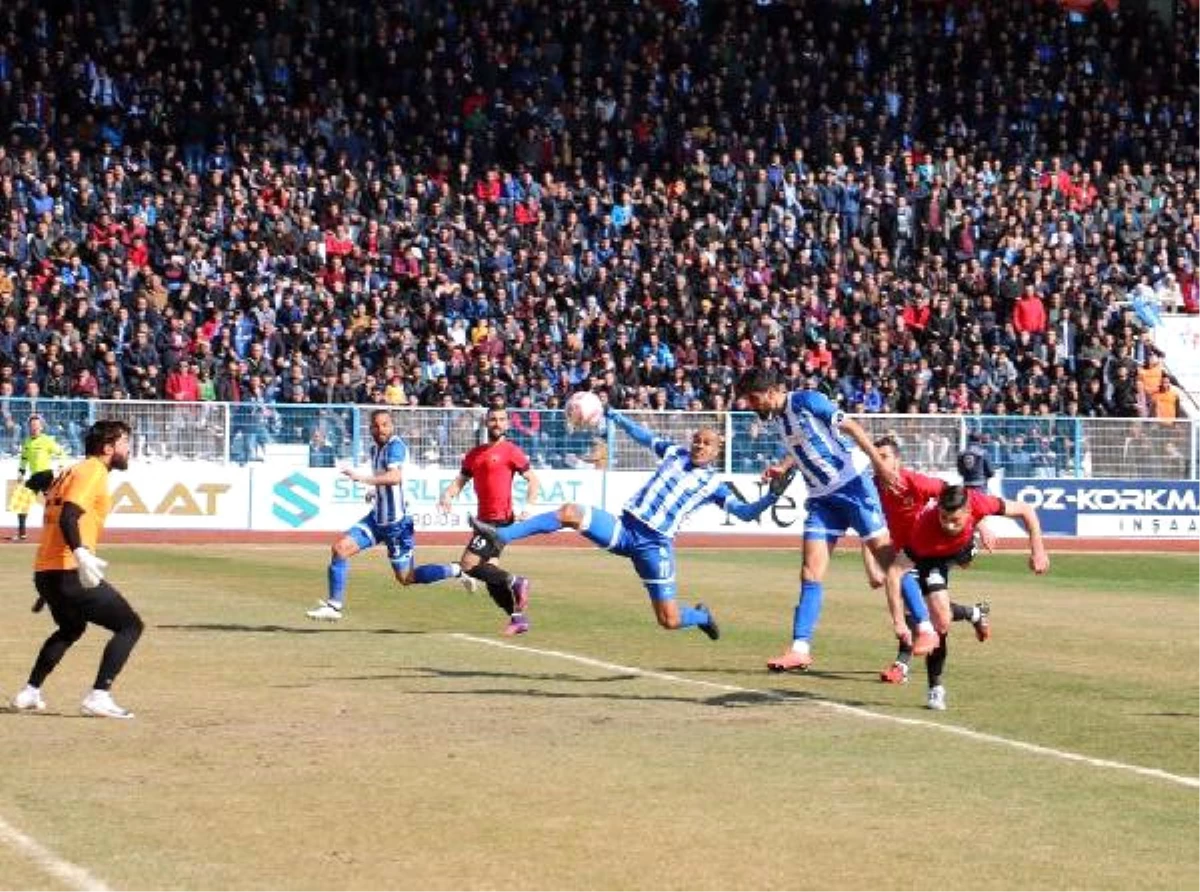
x=72, y=876
x=857, y=711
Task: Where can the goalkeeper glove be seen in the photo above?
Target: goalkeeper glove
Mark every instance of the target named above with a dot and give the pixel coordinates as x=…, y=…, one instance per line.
x=91, y=568
x=781, y=481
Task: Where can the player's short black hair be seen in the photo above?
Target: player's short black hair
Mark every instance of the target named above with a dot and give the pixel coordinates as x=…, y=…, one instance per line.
x=889, y=440
x=757, y=380
x=953, y=497
x=103, y=433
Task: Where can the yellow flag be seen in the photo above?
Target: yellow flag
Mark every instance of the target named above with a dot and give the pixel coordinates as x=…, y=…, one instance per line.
x=21, y=498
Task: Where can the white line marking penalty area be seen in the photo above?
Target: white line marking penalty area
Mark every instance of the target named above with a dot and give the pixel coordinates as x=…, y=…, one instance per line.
x=857, y=711
x=71, y=875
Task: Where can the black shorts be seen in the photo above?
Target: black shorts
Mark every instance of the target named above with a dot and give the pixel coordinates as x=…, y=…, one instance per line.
x=932, y=573
x=481, y=547
x=40, y=482
x=74, y=606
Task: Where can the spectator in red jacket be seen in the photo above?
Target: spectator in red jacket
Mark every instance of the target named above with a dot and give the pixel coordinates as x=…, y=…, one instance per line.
x=1029, y=313
x=1189, y=287
x=183, y=385
x=917, y=312
x=528, y=212
x=488, y=189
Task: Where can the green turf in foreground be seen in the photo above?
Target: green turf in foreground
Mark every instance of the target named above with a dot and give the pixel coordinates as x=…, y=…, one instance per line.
x=385, y=752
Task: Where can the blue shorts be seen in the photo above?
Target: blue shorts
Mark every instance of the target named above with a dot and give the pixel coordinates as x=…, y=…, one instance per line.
x=652, y=553
x=398, y=537
x=855, y=506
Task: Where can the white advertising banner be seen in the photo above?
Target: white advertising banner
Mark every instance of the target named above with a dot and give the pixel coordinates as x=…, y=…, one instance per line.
x=182, y=495
x=176, y=495
x=323, y=499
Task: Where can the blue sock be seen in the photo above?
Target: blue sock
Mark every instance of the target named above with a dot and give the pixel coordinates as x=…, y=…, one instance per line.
x=693, y=616
x=427, y=573
x=339, y=569
x=547, y=522
x=910, y=590
x=808, y=610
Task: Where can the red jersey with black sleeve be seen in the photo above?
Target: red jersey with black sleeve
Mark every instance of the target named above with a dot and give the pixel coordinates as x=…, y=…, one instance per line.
x=902, y=505
x=492, y=467
x=929, y=540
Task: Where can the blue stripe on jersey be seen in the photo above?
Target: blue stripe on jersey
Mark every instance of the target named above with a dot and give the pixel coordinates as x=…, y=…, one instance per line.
x=676, y=489
x=809, y=428
x=390, y=507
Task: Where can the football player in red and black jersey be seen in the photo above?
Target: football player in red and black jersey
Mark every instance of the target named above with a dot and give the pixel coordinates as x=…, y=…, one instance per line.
x=491, y=467
x=901, y=505
x=942, y=534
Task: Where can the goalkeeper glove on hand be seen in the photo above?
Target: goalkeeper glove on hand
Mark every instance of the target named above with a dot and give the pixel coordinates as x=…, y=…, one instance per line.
x=781, y=481
x=91, y=568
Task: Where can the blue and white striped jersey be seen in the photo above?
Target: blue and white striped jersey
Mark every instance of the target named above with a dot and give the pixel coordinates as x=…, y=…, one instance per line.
x=389, y=500
x=827, y=459
x=676, y=489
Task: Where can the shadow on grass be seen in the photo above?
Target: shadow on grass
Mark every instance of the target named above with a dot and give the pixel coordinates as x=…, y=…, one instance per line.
x=431, y=672
x=285, y=630
x=727, y=700
x=1168, y=715
x=858, y=675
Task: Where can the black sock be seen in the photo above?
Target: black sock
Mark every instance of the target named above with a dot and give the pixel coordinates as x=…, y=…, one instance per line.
x=904, y=651
x=936, y=662
x=116, y=653
x=52, y=652
x=21, y=524
x=960, y=613
x=499, y=585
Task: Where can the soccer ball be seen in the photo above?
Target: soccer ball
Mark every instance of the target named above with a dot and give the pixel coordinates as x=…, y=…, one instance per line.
x=584, y=410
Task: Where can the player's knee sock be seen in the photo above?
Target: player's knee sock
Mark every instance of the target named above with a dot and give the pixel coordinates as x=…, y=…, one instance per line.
x=935, y=663
x=693, y=616
x=546, y=522
x=21, y=524
x=339, y=569
x=808, y=611
x=961, y=613
x=904, y=651
x=429, y=573
x=116, y=653
x=52, y=652
x=914, y=602
x=492, y=574
x=499, y=584
x=502, y=594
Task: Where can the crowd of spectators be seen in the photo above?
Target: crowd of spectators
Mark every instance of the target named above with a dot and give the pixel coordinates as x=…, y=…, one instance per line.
x=957, y=206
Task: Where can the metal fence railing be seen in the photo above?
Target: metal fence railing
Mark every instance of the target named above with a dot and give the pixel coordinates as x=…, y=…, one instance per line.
x=1020, y=446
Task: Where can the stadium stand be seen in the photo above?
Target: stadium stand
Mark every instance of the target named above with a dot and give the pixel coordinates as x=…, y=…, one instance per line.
x=933, y=207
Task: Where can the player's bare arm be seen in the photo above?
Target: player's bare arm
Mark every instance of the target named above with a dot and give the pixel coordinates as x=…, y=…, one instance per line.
x=1039, y=560
x=532, y=492
x=450, y=493
x=390, y=477
x=987, y=536
x=885, y=474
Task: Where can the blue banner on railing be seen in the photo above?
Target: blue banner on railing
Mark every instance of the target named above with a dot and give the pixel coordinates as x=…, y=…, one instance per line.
x=1125, y=509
